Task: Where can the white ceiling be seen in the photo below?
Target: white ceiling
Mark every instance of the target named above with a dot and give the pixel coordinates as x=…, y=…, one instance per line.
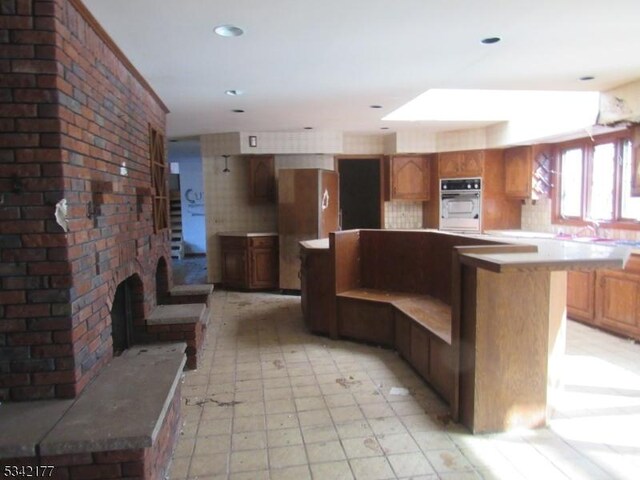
x=322, y=63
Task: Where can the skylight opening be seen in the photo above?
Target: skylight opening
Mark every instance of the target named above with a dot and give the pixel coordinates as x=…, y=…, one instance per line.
x=533, y=106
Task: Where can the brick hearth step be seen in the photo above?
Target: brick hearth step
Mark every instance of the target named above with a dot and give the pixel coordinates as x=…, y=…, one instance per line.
x=200, y=293
x=181, y=322
x=123, y=425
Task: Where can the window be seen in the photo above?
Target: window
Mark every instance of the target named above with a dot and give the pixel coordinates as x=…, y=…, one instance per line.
x=158, y=180
x=594, y=182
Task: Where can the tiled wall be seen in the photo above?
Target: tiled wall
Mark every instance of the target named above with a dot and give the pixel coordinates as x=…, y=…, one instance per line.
x=536, y=217
x=402, y=214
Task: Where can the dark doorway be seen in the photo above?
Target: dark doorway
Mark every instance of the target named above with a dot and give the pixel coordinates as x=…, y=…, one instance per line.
x=126, y=308
x=360, y=199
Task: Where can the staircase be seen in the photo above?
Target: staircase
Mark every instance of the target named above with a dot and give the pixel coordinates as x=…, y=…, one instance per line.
x=175, y=215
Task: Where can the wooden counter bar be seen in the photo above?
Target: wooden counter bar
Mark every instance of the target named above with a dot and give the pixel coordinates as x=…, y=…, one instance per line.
x=481, y=318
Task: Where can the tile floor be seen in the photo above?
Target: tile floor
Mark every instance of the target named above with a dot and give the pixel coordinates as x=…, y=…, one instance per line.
x=274, y=402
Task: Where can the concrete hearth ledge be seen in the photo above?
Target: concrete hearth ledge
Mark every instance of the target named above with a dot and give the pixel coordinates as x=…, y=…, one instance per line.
x=124, y=407
x=172, y=314
x=24, y=424
x=200, y=289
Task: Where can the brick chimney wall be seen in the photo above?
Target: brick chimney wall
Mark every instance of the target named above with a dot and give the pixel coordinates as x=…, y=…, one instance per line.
x=74, y=124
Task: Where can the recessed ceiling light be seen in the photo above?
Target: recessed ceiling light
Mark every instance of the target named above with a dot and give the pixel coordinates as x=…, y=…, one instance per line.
x=586, y=78
x=308, y=128
x=234, y=93
x=384, y=128
x=228, y=31
x=173, y=140
x=490, y=40
x=237, y=110
x=375, y=106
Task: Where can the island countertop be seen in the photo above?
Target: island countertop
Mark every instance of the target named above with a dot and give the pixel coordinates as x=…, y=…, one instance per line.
x=247, y=234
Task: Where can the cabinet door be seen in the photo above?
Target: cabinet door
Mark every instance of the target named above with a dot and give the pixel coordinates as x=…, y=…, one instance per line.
x=261, y=179
x=472, y=164
x=366, y=321
x=440, y=367
x=420, y=346
x=581, y=295
x=410, y=178
x=264, y=268
x=449, y=164
x=234, y=267
x=618, y=302
x=403, y=335
x=517, y=170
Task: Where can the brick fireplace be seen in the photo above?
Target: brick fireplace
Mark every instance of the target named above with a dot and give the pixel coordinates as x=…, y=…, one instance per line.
x=75, y=124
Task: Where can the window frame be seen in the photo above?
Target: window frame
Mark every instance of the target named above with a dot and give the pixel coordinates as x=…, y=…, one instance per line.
x=587, y=145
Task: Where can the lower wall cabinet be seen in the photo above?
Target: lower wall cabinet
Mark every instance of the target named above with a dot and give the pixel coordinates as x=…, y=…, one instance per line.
x=366, y=321
x=249, y=262
x=608, y=299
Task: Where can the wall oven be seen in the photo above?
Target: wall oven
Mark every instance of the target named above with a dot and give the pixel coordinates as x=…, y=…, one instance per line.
x=461, y=204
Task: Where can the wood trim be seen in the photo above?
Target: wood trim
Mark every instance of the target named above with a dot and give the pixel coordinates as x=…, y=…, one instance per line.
x=106, y=38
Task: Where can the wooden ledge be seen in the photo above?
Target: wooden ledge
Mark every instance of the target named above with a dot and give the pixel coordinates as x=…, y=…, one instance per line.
x=429, y=312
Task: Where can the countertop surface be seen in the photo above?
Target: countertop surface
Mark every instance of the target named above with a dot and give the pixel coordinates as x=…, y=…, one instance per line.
x=247, y=234
x=318, y=244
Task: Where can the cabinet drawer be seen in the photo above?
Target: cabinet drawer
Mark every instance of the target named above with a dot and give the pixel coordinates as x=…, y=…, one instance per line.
x=263, y=242
x=227, y=243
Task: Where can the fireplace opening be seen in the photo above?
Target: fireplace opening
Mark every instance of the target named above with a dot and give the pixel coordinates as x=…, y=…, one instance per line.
x=162, y=281
x=126, y=314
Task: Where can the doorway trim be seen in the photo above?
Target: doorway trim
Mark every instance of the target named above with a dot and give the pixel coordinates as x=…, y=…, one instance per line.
x=381, y=159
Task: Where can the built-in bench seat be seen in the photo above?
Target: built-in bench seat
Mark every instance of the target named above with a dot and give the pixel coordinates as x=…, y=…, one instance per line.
x=123, y=425
x=427, y=311
x=180, y=322
x=198, y=293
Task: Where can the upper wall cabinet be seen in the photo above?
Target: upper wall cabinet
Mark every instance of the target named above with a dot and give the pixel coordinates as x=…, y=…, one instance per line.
x=460, y=164
x=527, y=172
x=409, y=178
x=635, y=179
x=262, y=179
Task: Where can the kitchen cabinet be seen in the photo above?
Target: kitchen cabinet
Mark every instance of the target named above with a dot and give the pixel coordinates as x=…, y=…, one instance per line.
x=635, y=176
x=618, y=300
x=527, y=172
x=262, y=179
x=607, y=299
x=581, y=295
x=409, y=178
x=316, y=291
x=461, y=164
x=249, y=261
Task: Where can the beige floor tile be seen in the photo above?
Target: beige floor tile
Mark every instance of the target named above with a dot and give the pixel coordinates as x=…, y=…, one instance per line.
x=354, y=429
x=249, y=396
x=445, y=461
x=248, y=409
x=433, y=441
x=277, y=393
x=325, y=452
x=346, y=414
x=215, y=412
x=208, y=428
x=284, y=437
x=410, y=464
x=323, y=433
x=282, y=420
x=332, y=470
x=213, y=464
x=255, y=475
x=300, y=472
x=276, y=382
x=398, y=443
x=184, y=447
x=289, y=456
x=179, y=468
x=249, y=424
x=309, y=403
x=377, y=410
x=386, y=425
x=248, y=461
x=285, y=405
x=362, y=447
x=339, y=400
x=249, y=441
x=212, y=444
x=374, y=468
x=314, y=418
x=302, y=380
x=306, y=391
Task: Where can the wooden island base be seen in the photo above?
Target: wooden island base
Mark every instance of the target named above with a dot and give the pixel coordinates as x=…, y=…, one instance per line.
x=481, y=320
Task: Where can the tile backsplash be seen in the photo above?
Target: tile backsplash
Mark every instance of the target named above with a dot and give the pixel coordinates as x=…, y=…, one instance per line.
x=536, y=217
x=402, y=214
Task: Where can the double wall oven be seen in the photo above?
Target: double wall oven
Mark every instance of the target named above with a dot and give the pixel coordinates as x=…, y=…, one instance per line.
x=461, y=204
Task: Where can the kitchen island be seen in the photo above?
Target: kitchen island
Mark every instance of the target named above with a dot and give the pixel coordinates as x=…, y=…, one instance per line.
x=481, y=318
